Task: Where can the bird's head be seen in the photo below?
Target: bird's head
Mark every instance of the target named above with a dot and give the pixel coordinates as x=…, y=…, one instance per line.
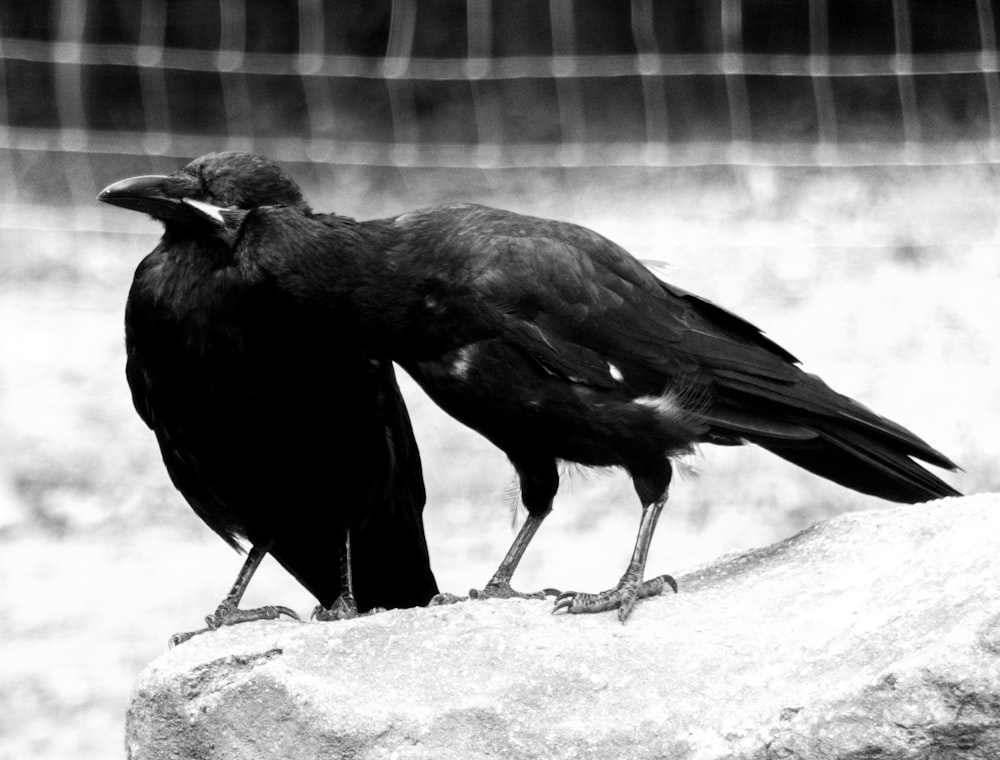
x=221, y=180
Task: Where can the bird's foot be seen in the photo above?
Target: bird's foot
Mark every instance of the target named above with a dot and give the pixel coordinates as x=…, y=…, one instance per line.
x=228, y=614
x=492, y=590
x=445, y=597
x=622, y=597
x=344, y=608
x=502, y=590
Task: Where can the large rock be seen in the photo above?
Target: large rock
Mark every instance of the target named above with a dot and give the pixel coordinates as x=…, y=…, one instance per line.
x=874, y=635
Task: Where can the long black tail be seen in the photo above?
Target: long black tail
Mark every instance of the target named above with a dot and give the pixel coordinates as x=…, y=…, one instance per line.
x=759, y=394
x=866, y=463
x=392, y=566
x=811, y=425
x=390, y=562
x=389, y=557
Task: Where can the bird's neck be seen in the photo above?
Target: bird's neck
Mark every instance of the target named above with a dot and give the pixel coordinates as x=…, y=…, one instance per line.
x=184, y=279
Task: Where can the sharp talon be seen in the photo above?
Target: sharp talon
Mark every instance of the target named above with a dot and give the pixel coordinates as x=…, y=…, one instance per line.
x=180, y=638
x=344, y=607
x=655, y=586
x=564, y=602
x=623, y=597
x=624, y=610
x=551, y=592
x=290, y=613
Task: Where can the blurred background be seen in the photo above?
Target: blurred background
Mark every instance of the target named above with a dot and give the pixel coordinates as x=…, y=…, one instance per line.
x=826, y=168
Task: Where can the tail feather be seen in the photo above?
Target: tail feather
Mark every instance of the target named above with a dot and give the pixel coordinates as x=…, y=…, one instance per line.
x=809, y=399
x=809, y=424
x=863, y=462
x=390, y=562
x=754, y=391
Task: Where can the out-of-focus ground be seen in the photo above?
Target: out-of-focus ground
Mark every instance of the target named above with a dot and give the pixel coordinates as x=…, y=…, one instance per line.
x=885, y=282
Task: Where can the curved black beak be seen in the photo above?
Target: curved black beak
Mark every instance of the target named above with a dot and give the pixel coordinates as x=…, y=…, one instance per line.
x=162, y=198
x=157, y=195
x=147, y=194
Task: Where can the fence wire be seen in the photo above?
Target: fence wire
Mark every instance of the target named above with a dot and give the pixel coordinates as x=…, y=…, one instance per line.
x=327, y=78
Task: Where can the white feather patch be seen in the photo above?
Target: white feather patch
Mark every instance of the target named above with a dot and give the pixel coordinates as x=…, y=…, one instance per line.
x=207, y=210
x=462, y=362
x=665, y=405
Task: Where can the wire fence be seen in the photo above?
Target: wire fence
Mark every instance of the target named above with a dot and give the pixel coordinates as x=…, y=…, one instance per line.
x=488, y=87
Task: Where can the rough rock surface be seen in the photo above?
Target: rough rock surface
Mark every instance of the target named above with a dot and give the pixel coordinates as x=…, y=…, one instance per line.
x=874, y=635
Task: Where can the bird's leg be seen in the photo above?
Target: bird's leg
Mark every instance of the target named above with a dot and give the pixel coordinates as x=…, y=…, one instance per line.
x=228, y=612
x=498, y=587
x=345, y=606
x=539, y=482
x=630, y=587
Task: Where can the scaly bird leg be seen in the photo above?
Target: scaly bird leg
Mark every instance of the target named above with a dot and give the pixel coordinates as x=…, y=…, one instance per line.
x=631, y=587
x=498, y=587
x=228, y=611
x=345, y=607
x=539, y=479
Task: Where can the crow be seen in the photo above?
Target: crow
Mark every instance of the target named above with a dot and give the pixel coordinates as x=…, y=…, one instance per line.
x=557, y=345
x=274, y=432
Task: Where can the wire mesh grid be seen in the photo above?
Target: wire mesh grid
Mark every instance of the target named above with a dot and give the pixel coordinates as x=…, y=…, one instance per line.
x=95, y=114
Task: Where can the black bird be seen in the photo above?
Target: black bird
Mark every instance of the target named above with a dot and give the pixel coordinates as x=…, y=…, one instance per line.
x=273, y=431
x=556, y=344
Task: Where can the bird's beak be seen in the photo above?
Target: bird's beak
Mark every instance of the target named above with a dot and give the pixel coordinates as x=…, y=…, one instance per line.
x=147, y=194
x=152, y=194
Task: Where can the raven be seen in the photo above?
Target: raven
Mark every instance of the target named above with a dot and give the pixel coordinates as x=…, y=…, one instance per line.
x=273, y=431
x=556, y=344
